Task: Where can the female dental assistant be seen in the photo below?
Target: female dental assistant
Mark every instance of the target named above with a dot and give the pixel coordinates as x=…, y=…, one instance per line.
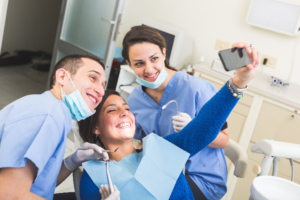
x=144, y=50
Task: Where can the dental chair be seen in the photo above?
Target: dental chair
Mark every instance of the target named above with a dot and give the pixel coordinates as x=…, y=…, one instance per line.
x=233, y=151
x=266, y=187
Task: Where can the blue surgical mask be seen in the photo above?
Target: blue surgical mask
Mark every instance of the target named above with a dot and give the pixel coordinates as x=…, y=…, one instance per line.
x=78, y=108
x=159, y=80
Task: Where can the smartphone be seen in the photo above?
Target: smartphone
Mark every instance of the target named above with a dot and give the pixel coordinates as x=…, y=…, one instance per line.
x=234, y=58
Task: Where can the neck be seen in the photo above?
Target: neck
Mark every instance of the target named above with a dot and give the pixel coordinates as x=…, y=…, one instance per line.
x=56, y=92
x=125, y=149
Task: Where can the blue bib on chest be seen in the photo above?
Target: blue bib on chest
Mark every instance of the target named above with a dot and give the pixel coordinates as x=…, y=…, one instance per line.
x=151, y=174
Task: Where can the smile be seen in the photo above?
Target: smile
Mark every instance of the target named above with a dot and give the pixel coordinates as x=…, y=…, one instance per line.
x=123, y=125
x=93, y=99
x=151, y=77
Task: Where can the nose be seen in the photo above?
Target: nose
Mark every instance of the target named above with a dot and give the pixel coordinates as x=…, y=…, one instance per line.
x=100, y=90
x=148, y=68
x=124, y=113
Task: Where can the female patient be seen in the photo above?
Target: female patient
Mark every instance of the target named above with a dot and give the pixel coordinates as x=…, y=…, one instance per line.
x=113, y=126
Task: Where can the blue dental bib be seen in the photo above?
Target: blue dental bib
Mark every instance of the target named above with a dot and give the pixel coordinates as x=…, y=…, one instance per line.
x=151, y=174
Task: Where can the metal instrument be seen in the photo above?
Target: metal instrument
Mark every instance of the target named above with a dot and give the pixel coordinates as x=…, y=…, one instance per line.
x=110, y=184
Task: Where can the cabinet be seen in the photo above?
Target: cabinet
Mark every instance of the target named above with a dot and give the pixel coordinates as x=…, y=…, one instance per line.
x=254, y=118
x=281, y=123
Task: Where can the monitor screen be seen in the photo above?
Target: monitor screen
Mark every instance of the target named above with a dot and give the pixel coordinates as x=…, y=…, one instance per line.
x=169, y=38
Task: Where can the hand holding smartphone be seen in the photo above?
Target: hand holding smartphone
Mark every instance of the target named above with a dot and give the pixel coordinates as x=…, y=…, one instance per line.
x=234, y=58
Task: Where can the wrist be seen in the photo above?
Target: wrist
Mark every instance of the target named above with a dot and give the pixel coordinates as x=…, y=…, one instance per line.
x=239, y=83
x=70, y=164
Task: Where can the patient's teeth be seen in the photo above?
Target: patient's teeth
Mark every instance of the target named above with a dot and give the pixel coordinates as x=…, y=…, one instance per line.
x=124, y=125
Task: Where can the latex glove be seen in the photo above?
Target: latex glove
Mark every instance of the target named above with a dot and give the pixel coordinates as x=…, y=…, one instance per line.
x=179, y=122
x=86, y=152
x=245, y=74
x=105, y=193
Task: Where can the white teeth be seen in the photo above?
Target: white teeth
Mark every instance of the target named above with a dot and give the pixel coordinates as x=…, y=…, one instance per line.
x=151, y=76
x=124, y=125
x=93, y=99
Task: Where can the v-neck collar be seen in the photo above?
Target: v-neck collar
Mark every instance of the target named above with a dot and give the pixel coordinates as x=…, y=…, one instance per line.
x=165, y=95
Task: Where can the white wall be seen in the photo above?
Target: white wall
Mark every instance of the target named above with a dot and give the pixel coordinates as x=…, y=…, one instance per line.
x=31, y=25
x=209, y=20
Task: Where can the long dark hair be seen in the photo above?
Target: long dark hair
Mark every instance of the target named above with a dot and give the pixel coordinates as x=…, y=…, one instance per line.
x=140, y=34
x=88, y=126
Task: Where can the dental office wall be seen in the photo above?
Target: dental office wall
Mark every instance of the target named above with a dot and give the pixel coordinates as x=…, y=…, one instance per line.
x=207, y=21
x=31, y=25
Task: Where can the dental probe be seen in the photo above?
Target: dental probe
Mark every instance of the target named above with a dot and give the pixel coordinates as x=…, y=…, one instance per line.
x=178, y=113
x=110, y=184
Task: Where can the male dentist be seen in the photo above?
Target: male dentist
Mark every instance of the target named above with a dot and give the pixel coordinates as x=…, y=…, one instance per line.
x=33, y=130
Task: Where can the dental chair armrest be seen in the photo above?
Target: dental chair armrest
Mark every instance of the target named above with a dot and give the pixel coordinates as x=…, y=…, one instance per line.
x=238, y=157
x=76, y=180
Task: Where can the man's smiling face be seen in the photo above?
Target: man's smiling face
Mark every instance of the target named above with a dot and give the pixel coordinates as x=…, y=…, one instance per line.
x=90, y=81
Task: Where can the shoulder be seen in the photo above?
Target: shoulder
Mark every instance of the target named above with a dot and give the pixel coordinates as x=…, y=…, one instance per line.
x=38, y=105
x=194, y=83
x=135, y=95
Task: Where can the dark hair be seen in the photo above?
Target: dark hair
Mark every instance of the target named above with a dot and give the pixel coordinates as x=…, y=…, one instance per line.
x=88, y=126
x=71, y=63
x=140, y=34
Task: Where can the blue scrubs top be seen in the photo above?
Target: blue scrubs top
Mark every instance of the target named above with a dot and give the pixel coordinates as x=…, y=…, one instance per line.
x=35, y=128
x=208, y=167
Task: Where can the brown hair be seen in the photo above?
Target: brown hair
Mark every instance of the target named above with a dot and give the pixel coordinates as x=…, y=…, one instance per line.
x=71, y=63
x=88, y=126
x=140, y=34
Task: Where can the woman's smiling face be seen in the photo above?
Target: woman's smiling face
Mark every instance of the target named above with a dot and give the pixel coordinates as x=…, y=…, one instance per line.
x=146, y=60
x=116, y=122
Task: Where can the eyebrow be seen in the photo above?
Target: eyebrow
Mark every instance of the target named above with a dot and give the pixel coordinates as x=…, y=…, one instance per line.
x=124, y=104
x=95, y=72
x=149, y=57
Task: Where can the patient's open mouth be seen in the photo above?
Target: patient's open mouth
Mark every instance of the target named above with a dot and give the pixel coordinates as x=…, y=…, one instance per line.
x=123, y=125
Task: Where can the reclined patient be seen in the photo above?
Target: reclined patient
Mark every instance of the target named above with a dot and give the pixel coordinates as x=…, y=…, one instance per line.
x=113, y=125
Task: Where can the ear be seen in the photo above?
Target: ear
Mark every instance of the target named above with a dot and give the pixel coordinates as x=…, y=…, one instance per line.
x=164, y=53
x=61, y=76
x=96, y=131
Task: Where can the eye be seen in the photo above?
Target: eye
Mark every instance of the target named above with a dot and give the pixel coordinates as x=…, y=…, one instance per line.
x=154, y=58
x=110, y=111
x=138, y=64
x=127, y=109
x=93, y=78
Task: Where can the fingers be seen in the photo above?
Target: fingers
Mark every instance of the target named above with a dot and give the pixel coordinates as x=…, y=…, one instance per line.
x=107, y=192
x=178, y=118
x=95, y=148
x=179, y=124
x=104, y=191
x=254, y=55
x=114, y=196
x=177, y=129
x=115, y=188
x=242, y=44
x=258, y=58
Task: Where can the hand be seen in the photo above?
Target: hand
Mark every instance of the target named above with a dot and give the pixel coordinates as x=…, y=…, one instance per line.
x=84, y=153
x=179, y=122
x=246, y=74
x=105, y=194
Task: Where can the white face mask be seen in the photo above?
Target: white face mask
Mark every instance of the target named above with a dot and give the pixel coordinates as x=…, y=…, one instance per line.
x=159, y=80
x=77, y=106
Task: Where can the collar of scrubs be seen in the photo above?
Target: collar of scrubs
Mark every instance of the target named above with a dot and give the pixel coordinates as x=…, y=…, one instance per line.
x=151, y=174
x=166, y=93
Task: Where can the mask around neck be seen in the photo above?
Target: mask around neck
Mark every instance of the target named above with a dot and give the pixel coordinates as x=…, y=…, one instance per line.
x=159, y=80
x=77, y=106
